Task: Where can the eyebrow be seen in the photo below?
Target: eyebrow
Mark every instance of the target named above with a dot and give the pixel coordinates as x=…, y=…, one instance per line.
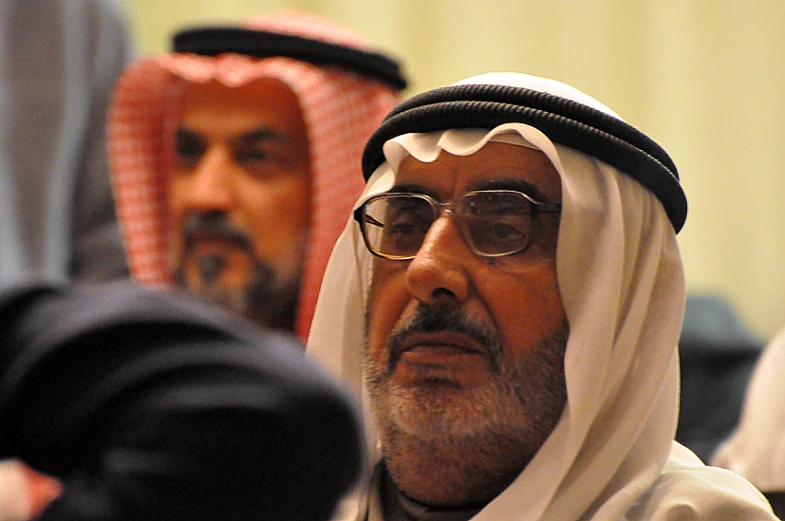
x=247, y=138
x=184, y=132
x=517, y=185
x=260, y=134
x=412, y=188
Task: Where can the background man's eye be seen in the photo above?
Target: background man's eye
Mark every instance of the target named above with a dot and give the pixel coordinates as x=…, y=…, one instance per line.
x=189, y=149
x=252, y=154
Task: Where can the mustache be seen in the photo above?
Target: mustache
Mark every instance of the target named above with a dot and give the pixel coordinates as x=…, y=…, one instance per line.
x=429, y=319
x=214, y=225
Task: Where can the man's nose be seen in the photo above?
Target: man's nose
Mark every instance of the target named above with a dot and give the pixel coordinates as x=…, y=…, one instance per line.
x=212, y=186
x=438, y=270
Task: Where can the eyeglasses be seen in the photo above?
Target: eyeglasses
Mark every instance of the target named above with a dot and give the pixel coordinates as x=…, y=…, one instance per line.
x=493, y=223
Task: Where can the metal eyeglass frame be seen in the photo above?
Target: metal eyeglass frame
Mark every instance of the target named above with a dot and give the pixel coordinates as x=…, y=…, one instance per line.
x=538, y=207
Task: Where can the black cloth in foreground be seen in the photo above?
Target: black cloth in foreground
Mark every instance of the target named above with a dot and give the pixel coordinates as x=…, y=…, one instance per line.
x=149, y=408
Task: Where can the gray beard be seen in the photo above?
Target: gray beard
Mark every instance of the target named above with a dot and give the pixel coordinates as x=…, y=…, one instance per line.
x=478, y=439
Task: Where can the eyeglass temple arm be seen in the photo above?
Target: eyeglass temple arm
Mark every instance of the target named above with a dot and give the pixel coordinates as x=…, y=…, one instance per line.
x=548, y=207
x=359, y=214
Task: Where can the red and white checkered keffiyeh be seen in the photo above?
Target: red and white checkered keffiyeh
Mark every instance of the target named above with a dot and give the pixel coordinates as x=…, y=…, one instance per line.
x=340, y=109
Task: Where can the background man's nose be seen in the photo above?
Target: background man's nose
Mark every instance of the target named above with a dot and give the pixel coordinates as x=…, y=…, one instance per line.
x=211, y=186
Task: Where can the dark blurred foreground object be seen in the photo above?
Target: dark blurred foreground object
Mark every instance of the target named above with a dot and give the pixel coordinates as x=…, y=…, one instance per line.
x=148, y=408
x=717, y=355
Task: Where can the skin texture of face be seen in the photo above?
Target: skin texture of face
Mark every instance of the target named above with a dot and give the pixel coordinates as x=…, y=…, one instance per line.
x=239, y=198
x=465, y=355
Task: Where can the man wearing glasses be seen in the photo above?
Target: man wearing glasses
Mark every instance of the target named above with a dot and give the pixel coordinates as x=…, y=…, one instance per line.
x=506, y=300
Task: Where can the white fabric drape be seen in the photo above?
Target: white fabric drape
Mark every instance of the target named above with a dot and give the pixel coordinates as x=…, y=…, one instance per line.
x=757, y=449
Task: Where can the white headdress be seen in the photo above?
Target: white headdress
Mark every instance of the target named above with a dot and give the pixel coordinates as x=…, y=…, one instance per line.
x=622, y=285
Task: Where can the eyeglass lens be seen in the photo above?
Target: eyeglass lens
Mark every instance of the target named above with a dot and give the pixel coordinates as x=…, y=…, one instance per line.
x=494, y=223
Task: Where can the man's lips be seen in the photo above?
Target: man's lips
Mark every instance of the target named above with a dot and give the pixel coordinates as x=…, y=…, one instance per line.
x=214, y=242
x=433, y=347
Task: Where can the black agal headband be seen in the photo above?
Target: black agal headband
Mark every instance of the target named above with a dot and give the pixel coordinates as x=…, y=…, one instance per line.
x=212, y=41
x=564, y=121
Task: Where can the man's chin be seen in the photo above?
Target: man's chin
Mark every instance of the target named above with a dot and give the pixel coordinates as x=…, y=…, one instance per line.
x=259, y=299
x=231, y=299
x=436, y=411
x=207, y=278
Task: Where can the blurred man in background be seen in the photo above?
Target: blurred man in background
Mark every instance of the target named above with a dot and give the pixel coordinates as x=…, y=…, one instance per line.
x=236, y=158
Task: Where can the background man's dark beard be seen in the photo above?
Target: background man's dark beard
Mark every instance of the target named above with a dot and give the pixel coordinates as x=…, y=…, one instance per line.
x=259, y=301
x=264, y=299
x=271, y=306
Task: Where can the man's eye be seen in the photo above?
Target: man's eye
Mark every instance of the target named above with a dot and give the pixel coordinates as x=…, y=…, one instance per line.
x=497, y=233
x=408, y=224
x=189, y=149
x=404, y=232
x=401, y=228
x=408, y=218
x=503, y=231
x=252, y=154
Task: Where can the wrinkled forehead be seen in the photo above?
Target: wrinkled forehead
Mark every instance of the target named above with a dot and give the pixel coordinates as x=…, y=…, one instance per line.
x=495, y=166
x=467, y=143
x=263, y=95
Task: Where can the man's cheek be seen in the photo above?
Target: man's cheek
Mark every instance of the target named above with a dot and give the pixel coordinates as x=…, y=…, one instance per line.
x=379, y=325
x=386, y=306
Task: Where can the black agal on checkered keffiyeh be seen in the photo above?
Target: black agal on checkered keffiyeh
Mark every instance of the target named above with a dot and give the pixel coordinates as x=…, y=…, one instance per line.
x=212, y=41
